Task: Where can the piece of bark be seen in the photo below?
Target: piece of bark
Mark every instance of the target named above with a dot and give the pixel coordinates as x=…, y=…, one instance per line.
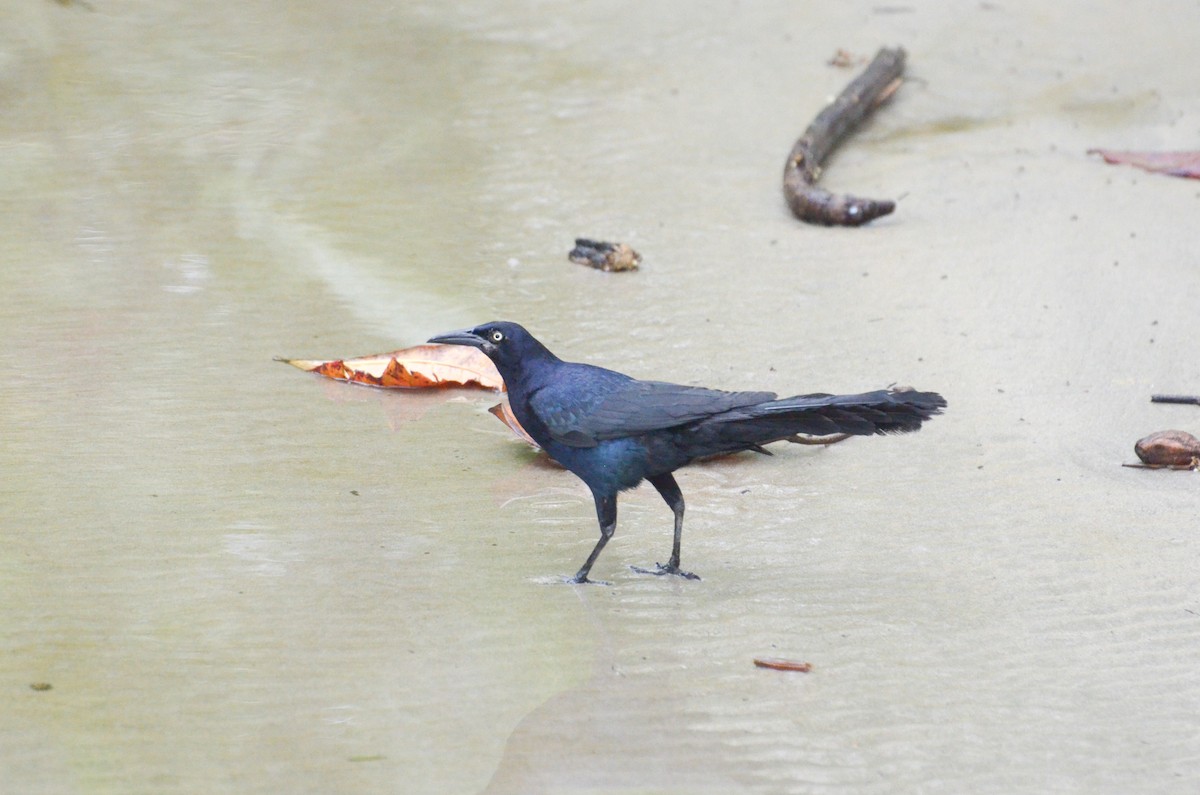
x=605, y=256
x=780, y=664
x=866, y=92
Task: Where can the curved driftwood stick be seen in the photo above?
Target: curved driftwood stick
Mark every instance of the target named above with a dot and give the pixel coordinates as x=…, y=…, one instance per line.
x=835, y=122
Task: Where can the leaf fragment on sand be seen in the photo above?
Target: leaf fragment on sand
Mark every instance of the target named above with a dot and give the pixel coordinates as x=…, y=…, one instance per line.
x=1175, y=164
x=419, y=367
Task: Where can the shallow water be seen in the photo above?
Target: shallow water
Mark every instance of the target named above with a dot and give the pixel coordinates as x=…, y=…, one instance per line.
x=239, y=578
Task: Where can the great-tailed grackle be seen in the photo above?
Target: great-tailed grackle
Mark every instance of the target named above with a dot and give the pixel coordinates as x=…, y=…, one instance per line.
x=614, y=431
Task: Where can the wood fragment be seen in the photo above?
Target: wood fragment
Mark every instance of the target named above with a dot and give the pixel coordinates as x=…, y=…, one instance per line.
x=803, y=168
x=605, y=256
x=1192, y=467
x=780, y=664
x=1189, y=400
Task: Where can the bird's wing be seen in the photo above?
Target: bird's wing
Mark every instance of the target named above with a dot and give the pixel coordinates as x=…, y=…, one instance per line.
x=615, y=408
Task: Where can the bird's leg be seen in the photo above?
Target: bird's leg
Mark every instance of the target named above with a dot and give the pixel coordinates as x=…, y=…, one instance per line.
x=606, y=514
x=670, y=492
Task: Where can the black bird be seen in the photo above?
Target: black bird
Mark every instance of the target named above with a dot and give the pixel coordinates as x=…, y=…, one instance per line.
x=614, y=431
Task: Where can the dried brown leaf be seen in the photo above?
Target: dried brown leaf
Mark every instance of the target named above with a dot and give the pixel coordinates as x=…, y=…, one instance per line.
x=503, y=412
x=419, y=367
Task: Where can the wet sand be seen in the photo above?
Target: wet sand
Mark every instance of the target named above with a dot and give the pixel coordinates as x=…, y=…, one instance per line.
x=238, y=578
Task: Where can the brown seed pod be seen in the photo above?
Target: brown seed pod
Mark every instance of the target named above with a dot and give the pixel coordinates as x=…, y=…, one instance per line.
x=1168, y=448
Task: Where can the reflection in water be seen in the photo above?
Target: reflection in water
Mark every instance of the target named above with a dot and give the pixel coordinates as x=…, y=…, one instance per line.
x=192, y=270
x=266, y=555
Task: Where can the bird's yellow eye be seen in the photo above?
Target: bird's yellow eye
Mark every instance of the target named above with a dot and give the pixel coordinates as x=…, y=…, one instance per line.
x=497, y=336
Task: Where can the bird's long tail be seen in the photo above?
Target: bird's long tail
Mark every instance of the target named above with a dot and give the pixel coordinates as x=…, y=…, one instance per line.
x=881, y=411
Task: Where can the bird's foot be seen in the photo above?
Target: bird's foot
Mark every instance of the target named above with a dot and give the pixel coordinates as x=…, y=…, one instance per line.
x=671, y=568
x=582, y=579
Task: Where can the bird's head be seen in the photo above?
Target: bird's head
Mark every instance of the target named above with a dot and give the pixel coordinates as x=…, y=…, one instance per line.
x=506, y=344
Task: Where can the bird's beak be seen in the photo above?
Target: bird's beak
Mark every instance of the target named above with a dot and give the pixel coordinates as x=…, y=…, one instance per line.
x=463, y=337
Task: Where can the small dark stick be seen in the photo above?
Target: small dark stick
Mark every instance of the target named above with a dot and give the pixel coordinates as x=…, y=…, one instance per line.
x=803, y=169
x=1189, y=400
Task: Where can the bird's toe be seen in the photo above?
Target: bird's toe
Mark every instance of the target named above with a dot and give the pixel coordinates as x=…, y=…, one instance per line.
x=659, y=570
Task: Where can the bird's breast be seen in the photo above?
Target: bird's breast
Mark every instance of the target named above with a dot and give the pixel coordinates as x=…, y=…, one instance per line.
x=610, y=466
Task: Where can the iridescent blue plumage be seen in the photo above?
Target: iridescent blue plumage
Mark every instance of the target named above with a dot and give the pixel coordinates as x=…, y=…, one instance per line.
x=614, y=431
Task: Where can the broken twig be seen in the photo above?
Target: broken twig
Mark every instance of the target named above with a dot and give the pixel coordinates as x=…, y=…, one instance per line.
x=780, y=664
x=1188, y=400
x=803, y=169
